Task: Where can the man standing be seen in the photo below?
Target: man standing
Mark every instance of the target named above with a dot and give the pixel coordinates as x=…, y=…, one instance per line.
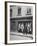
x=19, y=28
x=22, y=27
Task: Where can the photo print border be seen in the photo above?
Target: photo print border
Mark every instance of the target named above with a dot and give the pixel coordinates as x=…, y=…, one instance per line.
x=6, y=22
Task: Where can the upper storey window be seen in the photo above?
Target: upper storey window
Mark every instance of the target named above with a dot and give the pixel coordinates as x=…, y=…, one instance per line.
x=19, y=11
x=28, y=11
x=10, y=12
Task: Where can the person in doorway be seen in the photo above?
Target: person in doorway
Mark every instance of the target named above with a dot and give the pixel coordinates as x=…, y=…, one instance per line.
x=22, y=27
x=29, y=27
x=19, y=27
x=26, y=29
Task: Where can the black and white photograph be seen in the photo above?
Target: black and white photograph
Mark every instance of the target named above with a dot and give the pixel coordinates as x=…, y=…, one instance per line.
x=20, y=22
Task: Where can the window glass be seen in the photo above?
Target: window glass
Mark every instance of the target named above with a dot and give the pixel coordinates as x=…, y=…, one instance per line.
x=19, y=11
x=10, y=12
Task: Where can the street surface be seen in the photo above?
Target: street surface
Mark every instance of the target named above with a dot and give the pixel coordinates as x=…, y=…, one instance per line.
x=20, y=36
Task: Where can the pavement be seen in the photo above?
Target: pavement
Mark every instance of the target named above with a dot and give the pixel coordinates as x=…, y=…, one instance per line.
x=20, y=36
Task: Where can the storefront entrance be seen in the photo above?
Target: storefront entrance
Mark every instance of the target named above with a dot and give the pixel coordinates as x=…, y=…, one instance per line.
x=22, y=25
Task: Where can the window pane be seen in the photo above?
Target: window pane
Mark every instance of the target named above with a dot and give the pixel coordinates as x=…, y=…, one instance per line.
x=19, y=11
x=10, y=12
x=28, y=11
